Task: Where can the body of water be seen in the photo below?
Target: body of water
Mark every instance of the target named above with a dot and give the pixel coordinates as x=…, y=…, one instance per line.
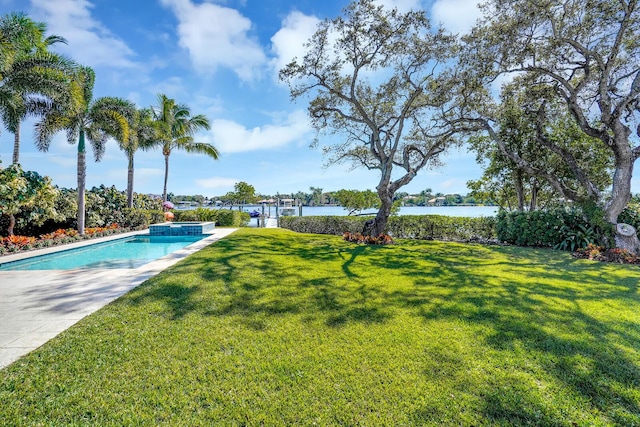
x=128, y=252
x=465, y=211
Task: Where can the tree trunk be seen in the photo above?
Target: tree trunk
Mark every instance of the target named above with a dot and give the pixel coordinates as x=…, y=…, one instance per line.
x=534, y=196
x=82, y=173
x=377, y=226
x=166, y=177
x=130, y=182
x=16, y=145
x=12, y=224
x=621, y=189
x=627, y=239
x=519, y=187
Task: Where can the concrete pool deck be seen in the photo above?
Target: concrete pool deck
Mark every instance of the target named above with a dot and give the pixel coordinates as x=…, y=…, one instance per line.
x=35, y=306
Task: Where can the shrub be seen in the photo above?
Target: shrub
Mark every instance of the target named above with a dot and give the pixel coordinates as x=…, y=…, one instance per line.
x=222, y=217
x=440, y=227
x=560, y=228
x=155, y=216
x=138, y=218
x=599, y=253
x=631, y=214
x=135, y=218
x=207, y=215
x=383, y=239
x=231, y=218
x=189, y=215
x=401, y=227
x=335, y=225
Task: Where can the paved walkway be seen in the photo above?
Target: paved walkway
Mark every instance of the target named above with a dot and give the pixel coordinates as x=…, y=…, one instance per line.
x=35, y=306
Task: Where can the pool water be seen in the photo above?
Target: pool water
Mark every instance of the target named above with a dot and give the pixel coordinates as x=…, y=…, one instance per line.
x=129, y=252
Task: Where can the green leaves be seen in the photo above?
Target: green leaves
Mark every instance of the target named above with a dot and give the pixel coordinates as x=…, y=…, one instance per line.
x=26, y=191
x=357, y=201
x=175, y=128
x=370, y=74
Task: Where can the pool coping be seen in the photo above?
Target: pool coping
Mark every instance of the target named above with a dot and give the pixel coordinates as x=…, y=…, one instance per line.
x=37, y=305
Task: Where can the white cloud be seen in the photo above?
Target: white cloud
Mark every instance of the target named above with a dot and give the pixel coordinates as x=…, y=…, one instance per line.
x=457, y=16
x=232, y=137
x=216, y=182
x=217, y=36
x=288, y=42
x=173, y=87
x=89, y=42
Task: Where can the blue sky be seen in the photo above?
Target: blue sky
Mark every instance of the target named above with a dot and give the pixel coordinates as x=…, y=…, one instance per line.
x=221, y=58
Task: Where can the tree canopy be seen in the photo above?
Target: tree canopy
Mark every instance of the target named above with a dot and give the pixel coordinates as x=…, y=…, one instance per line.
x=373, y=75
x=85, y=119
x=357, y=201
x=176, y=127
x=583, y=55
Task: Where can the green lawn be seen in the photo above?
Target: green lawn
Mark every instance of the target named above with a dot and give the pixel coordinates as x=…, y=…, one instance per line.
x=269, y=327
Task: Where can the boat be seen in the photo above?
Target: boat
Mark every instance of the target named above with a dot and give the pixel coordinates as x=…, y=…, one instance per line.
x=287, y=208
x=254, y=214
x=185, y=206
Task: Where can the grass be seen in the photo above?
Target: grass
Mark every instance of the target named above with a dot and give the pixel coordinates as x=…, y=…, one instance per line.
x=269, y=327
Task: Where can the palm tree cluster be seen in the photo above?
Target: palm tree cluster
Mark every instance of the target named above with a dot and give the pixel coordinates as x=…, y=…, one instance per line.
x=40, y=83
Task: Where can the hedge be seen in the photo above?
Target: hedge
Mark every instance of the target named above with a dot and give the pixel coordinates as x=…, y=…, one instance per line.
x=222, y=217
x=561, y=228
x=400, y=227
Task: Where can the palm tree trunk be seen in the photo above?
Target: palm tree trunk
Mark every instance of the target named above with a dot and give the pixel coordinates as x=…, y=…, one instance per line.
x=12, y=224
x=16, y=145
x=130, y=182
x=82, y=173
x=166, y=177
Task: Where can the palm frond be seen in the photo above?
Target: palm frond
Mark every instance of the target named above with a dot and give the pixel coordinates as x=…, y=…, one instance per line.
x=201, y=148
x=114, y=116
x=47, y=127
x=97, y=137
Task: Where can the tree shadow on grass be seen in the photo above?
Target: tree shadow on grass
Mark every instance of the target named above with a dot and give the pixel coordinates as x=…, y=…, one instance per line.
x=178, y=299
x=514, y=298
x=543, y=312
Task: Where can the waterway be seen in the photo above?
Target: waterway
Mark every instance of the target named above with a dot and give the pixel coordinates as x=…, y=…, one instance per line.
x=464, y=211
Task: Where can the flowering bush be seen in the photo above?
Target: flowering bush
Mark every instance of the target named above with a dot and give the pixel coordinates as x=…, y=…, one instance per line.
x=383, y=239
x=18, y=240
x=103, y=231
x=14, y=244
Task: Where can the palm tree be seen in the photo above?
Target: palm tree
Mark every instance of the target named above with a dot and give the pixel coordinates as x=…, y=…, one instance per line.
x=176, y=128
x=32, y=78
x=84, y=119
x=142, y=134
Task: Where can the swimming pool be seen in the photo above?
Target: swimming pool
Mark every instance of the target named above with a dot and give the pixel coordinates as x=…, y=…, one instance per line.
x=128, y=252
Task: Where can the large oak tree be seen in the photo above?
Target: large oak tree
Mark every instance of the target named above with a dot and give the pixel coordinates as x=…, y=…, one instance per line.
x=373, y=75
x=584, y=54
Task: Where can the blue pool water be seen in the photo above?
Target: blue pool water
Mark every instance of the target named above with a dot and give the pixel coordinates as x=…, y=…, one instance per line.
x=129, y=252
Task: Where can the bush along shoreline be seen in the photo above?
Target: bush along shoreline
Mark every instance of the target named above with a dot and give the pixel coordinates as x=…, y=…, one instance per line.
x=418, y=227
x=577, y=230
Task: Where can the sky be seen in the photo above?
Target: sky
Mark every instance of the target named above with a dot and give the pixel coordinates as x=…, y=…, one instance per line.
x=221, y=58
